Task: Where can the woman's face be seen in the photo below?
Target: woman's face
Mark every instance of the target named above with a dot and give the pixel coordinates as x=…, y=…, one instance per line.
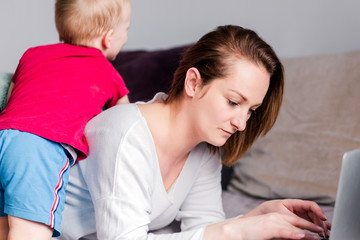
x=226, y=104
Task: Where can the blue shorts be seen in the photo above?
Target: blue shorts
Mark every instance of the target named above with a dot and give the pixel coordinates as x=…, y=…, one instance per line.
x=34, y=173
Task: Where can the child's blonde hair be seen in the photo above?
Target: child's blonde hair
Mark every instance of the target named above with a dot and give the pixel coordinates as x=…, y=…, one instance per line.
x=81, y=21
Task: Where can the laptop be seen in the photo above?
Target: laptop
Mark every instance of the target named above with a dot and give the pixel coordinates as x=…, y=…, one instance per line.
x=346, y=219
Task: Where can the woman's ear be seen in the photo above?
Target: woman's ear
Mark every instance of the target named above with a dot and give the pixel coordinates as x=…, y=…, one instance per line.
x=192, y=81
x=106, y=39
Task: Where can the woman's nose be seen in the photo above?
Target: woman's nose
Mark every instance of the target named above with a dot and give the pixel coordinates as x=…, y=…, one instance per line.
x=239, y=121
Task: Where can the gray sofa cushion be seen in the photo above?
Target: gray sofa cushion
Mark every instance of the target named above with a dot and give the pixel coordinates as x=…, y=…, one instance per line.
x=5, y=79
x=318, y=122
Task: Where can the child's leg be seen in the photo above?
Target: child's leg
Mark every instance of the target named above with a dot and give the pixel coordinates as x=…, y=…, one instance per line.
x=34, y=173
x=4, y=228
x=25, y=229
x=4, y=225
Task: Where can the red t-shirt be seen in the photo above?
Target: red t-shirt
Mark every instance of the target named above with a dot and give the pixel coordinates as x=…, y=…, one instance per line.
x=57, y=89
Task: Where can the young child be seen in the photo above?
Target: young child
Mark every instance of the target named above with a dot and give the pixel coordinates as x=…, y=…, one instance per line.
x=55, y=91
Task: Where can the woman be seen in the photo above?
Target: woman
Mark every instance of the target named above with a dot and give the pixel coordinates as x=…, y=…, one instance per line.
x=152, y=163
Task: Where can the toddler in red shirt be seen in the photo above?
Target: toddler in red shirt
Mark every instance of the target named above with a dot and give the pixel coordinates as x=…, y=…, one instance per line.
x=56, y=89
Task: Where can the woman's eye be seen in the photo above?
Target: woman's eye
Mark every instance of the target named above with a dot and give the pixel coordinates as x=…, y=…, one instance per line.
x=252, y=111
x=233, y=103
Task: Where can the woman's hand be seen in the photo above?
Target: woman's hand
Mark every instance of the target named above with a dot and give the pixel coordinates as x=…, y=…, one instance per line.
x=279, y=219
x=307, y=210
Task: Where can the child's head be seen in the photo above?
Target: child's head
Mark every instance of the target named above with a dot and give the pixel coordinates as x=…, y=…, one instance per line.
x=81, y=22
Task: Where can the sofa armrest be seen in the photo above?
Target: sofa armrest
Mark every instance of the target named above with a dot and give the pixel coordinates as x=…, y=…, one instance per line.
x=5, y=80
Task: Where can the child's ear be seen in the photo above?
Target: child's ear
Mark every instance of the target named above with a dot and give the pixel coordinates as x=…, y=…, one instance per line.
x=107, y=37
x=192, y=81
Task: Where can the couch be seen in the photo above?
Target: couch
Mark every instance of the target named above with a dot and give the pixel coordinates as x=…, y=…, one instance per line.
x=301, y=156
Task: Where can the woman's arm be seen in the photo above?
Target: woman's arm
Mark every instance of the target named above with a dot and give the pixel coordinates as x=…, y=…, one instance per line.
x=119, y=180
x=280, y=219
x=272, y=219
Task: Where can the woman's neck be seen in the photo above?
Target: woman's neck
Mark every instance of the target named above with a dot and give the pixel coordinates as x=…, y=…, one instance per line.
x=172, y=137
x=170, y=129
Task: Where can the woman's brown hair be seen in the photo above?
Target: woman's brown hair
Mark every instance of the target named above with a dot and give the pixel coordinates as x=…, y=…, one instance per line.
x=213, y=56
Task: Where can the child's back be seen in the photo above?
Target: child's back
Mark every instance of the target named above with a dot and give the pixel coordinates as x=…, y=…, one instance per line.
x=57, y=89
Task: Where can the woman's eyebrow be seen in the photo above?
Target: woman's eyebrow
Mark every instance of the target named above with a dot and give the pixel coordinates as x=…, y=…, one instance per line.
x=240, y=94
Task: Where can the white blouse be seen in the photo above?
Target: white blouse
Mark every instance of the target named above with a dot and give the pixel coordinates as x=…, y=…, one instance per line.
x=118, y=190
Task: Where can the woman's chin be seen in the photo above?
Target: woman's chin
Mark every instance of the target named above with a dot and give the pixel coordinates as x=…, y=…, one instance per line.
x=218, y=143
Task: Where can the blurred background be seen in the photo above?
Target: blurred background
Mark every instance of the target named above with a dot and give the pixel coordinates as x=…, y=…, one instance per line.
x=293, y=27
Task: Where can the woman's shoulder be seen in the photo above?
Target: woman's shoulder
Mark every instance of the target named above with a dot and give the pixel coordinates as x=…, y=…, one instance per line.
x=120, y=126
x=117, y=118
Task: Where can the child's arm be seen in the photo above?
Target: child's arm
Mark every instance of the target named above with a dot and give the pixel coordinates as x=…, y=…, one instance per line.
x=124, y=99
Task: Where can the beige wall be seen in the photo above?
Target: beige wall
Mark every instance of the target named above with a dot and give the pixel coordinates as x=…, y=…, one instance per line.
x=292, y=27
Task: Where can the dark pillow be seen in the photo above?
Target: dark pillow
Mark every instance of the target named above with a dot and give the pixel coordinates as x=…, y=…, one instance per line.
x=147, y=72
